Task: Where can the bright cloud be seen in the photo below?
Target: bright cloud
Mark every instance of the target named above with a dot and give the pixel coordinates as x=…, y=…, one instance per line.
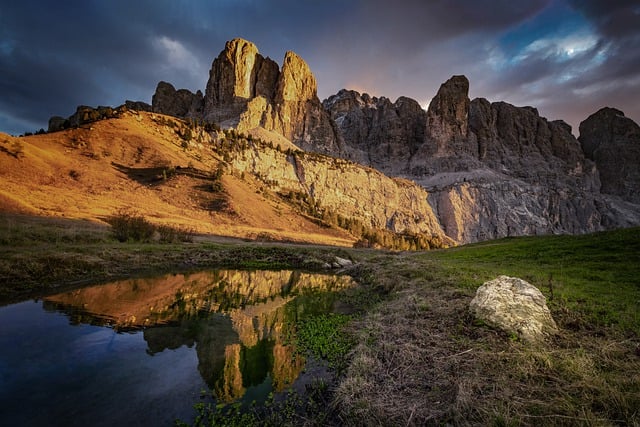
x=177, y=55
x=559, y=48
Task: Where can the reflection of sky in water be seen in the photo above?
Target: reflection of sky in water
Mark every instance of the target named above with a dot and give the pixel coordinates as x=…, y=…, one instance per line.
x=76, y=373
x=54, y=374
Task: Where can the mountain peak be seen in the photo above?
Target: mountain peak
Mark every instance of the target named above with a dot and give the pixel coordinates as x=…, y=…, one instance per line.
x=297, y=82
x=448, y=112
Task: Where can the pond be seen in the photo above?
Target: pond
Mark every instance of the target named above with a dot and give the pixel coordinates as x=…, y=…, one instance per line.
x=144, y=351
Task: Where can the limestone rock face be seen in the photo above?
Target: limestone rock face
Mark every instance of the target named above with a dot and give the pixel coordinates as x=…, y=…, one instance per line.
x=612, y=141
x=376, y=132
x=232, y=81
x=527, y=176
x=345, y=188
x=246, y=90
x=296, y=82
x=179, y=103
x=514, y=306
x=489, y=206
x=519, y=141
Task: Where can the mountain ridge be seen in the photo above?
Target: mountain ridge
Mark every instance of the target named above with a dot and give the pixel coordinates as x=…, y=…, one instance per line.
x=489, y=170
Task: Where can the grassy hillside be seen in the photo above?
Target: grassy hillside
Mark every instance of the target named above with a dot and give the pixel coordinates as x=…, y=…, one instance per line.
x=160, y=167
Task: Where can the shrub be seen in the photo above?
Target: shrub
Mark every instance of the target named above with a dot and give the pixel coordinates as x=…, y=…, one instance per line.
x=132, y=226
x=169, y=234
x=127, y=226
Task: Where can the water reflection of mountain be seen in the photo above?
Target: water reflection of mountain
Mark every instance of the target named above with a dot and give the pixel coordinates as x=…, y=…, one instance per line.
x=237, y=320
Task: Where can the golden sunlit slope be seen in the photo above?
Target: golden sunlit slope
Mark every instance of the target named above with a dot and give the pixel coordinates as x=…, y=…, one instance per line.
x=139, y=162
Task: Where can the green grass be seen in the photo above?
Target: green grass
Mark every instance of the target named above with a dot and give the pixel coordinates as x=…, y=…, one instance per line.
x=324, y=338
x=596, y=275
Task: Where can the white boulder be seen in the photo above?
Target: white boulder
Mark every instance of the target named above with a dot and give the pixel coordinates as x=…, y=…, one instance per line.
x=514, y=306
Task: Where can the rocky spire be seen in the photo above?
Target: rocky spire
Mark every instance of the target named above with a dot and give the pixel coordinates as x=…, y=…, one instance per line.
x=233, y=73
x=448, y=113
x=246, y=90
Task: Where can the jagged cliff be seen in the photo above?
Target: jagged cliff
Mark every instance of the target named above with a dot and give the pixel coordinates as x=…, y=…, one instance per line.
x=246, y=90
x=344, y=188
x=491, y=169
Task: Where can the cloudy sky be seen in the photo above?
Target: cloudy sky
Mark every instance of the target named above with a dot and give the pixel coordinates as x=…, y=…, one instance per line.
x=568, y=58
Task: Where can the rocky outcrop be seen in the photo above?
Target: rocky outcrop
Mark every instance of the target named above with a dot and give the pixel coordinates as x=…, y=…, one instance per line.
x=517, y=141
x=84, y=115
x=514, y=306
x=57, y=123
x=178, y=103
x=138, y=106
x=493, y=206
x=246, y=90
x=237, y=75
x=528, y=176
x=612, y=141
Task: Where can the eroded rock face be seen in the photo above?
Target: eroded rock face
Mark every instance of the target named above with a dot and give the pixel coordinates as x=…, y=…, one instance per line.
x=296, y=82
x=376, y=132
x=345, y=188
x=612, y=141
x=528, y=177
x=514, y=306
x=179, y=103
x=232, y=81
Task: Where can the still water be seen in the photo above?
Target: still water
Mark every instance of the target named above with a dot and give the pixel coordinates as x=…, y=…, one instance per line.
x=143, y=351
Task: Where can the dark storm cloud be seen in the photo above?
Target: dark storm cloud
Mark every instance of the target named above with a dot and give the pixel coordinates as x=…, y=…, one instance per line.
x=567, y=61
x=613, y=18
x=55, y=57
x=566, y=57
